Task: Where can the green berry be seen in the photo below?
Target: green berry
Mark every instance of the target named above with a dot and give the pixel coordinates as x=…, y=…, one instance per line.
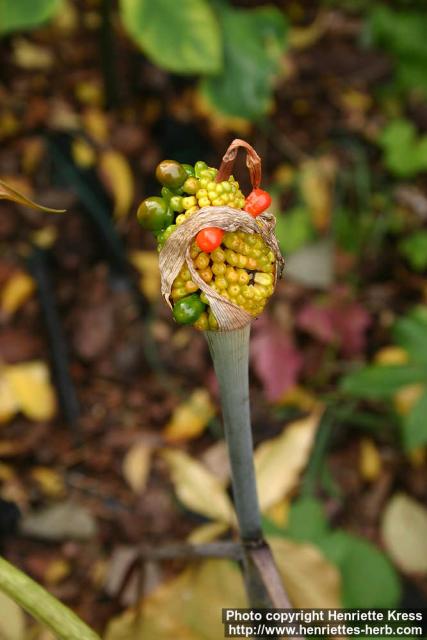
x=188, y=310
x=171, y=174
x=154, y=214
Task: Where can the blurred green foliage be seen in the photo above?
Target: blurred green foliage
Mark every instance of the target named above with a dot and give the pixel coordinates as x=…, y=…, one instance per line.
x=237, y=52
x=383, y=381
x=405, y=153
x=403, y=35
x=182, y=37
x=253, y=42
x=16, y=15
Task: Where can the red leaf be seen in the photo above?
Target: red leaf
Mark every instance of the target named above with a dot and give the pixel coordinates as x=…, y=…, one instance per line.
x=275, y=359
x=339, y=320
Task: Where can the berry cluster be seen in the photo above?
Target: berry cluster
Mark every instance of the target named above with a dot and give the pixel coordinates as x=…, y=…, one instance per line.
x=238, y=265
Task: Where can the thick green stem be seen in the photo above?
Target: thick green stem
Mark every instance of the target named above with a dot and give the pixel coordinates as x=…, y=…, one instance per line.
x=230, y=355
x=39, y=603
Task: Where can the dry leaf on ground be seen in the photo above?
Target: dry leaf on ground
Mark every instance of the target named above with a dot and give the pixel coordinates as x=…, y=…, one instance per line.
x=190, y=418
x=185, y=608
x=311, y=581
x=189, y=606
x=147, y=263
x=17, y=290
x=279, y=461
x=136, y=466
x=26, y=387
x=118, y=179
x=61, y=521
x=197, y=488
x=404, y=532
x=12, y=619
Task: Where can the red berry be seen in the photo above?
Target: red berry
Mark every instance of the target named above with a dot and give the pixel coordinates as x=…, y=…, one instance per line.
x=209, y=239
x=257, y=202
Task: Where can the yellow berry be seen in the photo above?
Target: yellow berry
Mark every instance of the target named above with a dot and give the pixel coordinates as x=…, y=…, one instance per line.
x=189, y=201
x=202, y=261
x=202, y=322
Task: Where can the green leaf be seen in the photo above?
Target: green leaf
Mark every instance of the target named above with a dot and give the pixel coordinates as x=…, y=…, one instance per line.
x=410, y=332
x=254, y=41
x=368, y=578
x=405, y=155
x=294, y=229
x=414, y=249
x=402, y=34
x=307, y=520
x=378, y=382
x=182, y=37
x=415, y=425
x=17, y=15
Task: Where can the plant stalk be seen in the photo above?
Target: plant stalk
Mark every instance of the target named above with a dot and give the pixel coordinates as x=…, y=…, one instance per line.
x=230, y=355
x=44, y=607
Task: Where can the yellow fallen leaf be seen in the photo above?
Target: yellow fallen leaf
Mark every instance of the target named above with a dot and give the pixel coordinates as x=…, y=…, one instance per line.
x=310, y=580
x=28, y=55
x=305, y=37
x=370, y=464
x=95, y=123
x=219, y=123
x=404, y=533
x=194, y=599
x=207, y=532
x=83, y=154
x=17, y=290
x=67, y=19
x=417, y=457
x=299, y=397
x=118, y=178
x=30, y=385
x=57, y=571
x=50, y=481
x=407, y=397
x=9, y=405
x=190, y=418
x=8, y=193
x=32, y=154
x=9, y=124
x=6, y=472
x=279, y=461
x=279, y=512
x=391, y=355
x=136, y=466
x=197, y=488
x=147, y=263
x=12, y=619
x=45, y=237
x=316, y=182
